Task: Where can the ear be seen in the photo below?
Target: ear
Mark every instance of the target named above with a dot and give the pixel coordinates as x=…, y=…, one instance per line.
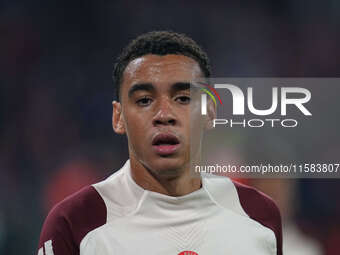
x=117, y=118
x=211, y=114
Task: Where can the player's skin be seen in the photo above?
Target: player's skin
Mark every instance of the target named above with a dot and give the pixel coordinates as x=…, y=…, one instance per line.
x=155, y=102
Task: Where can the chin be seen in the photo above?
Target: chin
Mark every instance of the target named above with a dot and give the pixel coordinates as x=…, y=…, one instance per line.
x=167, y=166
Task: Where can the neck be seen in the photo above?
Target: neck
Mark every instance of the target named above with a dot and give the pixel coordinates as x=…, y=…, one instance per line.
x=179, y=185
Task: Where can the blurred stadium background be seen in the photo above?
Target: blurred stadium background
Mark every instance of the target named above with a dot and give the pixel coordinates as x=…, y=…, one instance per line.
x=56, y=60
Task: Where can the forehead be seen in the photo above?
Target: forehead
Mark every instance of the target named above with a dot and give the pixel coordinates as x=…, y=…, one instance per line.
x=155, y=69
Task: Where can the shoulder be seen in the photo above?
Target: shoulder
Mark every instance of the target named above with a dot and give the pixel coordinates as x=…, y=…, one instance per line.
x=246, y=201
x=255, y=203
x=260, y=208
x=242, y=199
x=70, y=220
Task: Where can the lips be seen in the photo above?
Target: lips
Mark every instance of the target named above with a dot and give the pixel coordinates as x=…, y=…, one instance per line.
x=165, y=144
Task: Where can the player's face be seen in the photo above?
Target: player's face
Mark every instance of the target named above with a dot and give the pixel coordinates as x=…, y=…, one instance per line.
x=155, y=111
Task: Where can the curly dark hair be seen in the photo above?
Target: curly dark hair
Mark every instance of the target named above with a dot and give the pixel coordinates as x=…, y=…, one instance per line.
x=159, y=43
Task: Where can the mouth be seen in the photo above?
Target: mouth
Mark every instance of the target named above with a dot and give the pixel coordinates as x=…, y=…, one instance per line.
x=165, y=144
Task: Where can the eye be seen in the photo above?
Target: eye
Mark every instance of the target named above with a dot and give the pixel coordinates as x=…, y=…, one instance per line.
x=145, y=101
x=183, y=99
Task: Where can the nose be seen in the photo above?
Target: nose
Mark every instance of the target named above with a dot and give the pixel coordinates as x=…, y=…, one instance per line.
x=164, y=114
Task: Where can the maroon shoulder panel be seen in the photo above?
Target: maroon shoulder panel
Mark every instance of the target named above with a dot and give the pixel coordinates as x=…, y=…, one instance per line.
x=261, y=208
x=70, y=220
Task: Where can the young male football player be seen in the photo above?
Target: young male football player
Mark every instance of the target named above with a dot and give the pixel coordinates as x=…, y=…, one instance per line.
x=153, y=205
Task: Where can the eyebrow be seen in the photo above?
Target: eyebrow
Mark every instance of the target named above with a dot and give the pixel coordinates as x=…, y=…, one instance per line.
x=178, y=86
x=140, y=86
